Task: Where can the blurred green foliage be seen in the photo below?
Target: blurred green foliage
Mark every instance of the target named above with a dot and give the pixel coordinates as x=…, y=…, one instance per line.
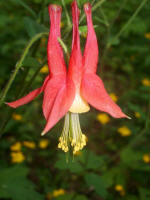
x=114, y=165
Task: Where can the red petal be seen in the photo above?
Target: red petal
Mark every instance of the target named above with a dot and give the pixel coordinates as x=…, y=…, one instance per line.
x=61, y=104
x=94, y=93
x=90, y=57
x=56, y=61
x=50, y=92
x=75, y=63
x=29, y=97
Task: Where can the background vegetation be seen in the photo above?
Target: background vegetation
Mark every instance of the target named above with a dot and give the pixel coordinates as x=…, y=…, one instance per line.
x=115, y=164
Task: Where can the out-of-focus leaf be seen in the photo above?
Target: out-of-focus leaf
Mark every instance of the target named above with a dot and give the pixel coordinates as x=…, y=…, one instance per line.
x=59, y=2
x=65, y=163
x=144, y=193
x=31, y=62
x=131, y=197
x=65, y=197
x=133, y=159
x=32, y=27
x=83, y=29
x=97, y=183
x=113, y=41
x=91, y=160
x=80, y=197
x=16, y=177
x=28, y=8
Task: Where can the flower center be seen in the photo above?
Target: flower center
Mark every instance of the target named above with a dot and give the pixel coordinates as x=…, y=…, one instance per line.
x=72, y=136
x=79, y=105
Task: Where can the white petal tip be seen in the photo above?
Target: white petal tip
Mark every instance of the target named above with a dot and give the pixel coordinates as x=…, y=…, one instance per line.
x=129, y=117
x=43, y=133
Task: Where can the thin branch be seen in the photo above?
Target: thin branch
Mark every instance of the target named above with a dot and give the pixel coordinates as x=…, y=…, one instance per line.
x=130, y=20
x=19, y=64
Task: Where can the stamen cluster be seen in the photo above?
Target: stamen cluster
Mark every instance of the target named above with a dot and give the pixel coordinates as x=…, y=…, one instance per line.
x=72, y=135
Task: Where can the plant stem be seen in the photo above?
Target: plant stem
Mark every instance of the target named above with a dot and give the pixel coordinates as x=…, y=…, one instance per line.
x=19, y=64
x=67, y=14
x=104, y=17
x=63, y=45
x=20, y=93
x=131, y=19
x=123, y=28
x=83, y=16
x=42, y=12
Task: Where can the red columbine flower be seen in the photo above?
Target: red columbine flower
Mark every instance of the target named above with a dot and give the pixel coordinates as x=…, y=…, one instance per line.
x=70, y=93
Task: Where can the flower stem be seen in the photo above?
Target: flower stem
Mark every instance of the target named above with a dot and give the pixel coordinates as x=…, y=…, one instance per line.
x=67, y=14
x=19, y=64
x=64, y=46
x=19, y=93
x=129, y=21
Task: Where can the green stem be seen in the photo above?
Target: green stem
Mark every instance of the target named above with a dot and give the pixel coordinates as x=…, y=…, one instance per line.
x=31, y=80
x=67, y=14
x=118, y=13
x=19, y=64
x=42, y=12
x=104, y=17
x=20, y=93
x=64, y=46
x=83, y=16
x=27, y=8
x=130, y=20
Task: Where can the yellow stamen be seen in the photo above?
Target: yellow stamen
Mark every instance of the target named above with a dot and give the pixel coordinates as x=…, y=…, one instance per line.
x=72, y=135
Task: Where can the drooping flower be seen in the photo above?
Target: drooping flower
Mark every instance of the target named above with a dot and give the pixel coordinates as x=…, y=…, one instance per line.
x=70, y=93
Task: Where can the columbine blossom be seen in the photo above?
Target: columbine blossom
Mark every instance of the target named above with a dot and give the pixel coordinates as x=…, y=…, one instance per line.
x=69, y=93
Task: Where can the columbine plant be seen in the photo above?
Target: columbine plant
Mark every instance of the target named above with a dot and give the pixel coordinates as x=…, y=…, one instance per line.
x=69, y=93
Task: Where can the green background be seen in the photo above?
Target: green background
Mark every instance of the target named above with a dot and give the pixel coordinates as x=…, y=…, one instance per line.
x=109, y=159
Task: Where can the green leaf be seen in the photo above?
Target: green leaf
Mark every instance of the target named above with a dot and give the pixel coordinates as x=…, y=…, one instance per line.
x=32, y=27
x=83, y=29
x=31, y=62
x=68, y=164
x=65, y=197
x=131, y=197
x=22, y=3
x=113, y=41
x=95, y=181
x=133, y=159
x=91, y=160
x=15, y=185
x=144, y=194
x=80, y=197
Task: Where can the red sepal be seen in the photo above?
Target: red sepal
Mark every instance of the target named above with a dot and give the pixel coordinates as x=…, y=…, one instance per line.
x=75, y=62
x=29, y=97
x=94, y=93
x=90, y=56
x=52, y=88
x=61, y=105
x=55, y=56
